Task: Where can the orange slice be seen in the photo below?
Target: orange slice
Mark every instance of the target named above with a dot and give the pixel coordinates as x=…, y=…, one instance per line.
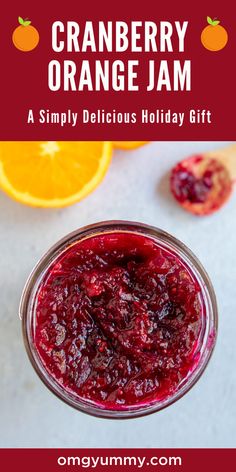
x=128, y=144
x=52, y=174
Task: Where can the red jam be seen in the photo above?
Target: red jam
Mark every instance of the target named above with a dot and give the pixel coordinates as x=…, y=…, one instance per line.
x=201, y=185
x=119, y=320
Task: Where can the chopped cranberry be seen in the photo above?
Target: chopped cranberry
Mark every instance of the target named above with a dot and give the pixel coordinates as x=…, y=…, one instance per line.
x=118, y=320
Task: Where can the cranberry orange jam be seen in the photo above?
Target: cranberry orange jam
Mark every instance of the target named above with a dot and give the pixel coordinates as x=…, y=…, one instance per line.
x=200, y=184
x=118, y=320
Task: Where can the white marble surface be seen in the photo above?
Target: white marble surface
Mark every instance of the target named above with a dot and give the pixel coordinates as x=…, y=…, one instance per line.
x=135, y=188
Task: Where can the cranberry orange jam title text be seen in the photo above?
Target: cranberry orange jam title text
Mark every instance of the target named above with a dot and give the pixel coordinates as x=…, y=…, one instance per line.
x=128, y=70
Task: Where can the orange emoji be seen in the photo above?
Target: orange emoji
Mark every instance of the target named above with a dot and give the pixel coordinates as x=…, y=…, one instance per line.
x=214, y=37
x=25, y=37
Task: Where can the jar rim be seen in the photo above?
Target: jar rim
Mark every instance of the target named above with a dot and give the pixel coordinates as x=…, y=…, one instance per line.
x=162, y=237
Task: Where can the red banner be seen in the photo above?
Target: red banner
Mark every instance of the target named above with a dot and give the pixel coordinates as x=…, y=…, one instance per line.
x=141, y=71
x=54, y=460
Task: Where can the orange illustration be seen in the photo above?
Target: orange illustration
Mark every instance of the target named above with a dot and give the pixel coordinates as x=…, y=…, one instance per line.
x=214, y=37
x=25, y=37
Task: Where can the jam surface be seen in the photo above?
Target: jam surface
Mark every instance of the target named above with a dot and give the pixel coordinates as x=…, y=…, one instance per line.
x=118, y=320
x=201, y=185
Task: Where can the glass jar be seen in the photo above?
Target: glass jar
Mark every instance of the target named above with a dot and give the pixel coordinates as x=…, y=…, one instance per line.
x=167, y=242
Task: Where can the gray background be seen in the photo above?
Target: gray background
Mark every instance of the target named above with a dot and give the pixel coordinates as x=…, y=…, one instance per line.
x=135, y=188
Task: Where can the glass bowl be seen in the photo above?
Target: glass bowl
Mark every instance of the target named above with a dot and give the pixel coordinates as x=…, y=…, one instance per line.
x=165, y=240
